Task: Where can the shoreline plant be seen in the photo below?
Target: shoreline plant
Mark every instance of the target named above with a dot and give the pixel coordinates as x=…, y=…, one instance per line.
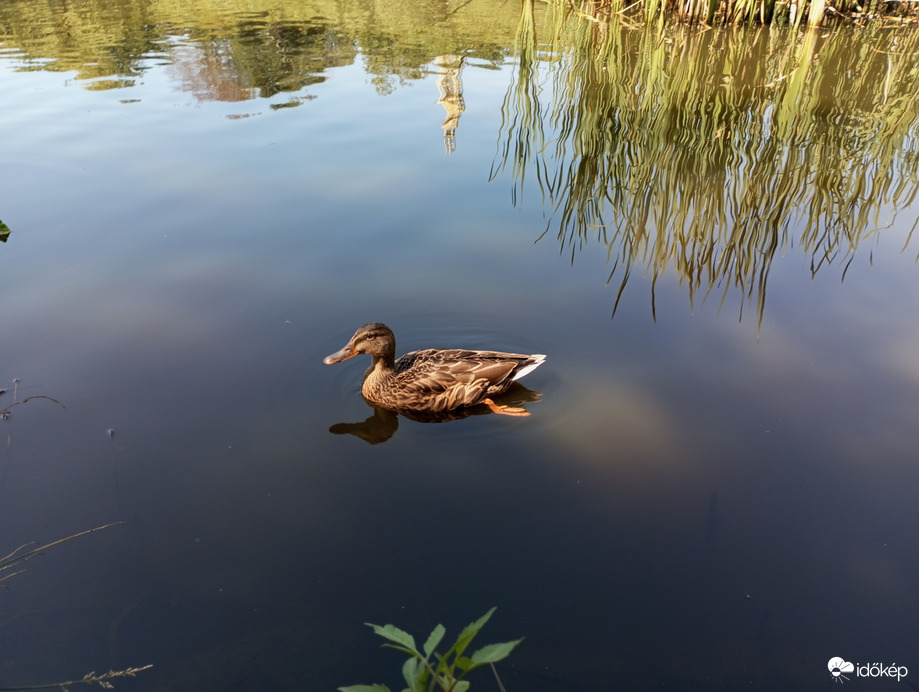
x=29, y=550
x=814, y=13
x=427, y=670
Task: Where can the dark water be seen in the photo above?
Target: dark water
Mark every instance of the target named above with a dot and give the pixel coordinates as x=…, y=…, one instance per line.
x=712, y=493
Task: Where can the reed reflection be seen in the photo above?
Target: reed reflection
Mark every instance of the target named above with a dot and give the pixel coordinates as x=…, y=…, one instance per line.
x=709, y=153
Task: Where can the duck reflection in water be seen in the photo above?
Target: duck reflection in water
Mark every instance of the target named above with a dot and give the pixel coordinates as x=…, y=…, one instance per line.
x=384, y=422
x=435, y=384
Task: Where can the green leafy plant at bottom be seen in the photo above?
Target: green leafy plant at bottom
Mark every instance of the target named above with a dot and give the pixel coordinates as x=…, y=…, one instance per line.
x=424, y=672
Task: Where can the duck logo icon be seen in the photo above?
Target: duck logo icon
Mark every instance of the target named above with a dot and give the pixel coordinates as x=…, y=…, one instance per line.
x=838, y=667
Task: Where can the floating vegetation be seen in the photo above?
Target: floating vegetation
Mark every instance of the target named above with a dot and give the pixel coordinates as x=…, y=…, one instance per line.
x=6, y=411
x=709, y=153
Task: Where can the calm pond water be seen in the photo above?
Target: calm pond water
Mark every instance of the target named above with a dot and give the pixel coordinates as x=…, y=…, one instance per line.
x=710, y=236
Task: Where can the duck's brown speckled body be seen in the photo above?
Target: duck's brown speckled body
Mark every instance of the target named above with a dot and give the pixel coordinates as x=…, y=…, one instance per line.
x=433, y=379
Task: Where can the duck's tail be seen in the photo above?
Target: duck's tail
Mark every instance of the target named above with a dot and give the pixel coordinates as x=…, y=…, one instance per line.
x=530, y=365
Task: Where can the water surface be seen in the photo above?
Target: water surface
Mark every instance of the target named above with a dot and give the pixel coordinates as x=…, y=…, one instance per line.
x=715, y=487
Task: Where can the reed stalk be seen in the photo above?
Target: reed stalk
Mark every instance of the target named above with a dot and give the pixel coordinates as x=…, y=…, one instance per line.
x=764, y=12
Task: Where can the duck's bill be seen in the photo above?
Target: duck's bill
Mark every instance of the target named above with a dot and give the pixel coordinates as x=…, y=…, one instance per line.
x=339, y=356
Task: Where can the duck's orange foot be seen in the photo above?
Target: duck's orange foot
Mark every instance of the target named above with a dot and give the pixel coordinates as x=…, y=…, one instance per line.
x=505, y=410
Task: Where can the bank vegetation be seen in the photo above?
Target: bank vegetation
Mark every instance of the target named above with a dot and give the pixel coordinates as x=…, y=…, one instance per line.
x=813, y=13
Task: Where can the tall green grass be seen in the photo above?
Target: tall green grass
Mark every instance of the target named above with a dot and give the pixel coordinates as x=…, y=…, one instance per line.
x=753, y=12
x=710, y=153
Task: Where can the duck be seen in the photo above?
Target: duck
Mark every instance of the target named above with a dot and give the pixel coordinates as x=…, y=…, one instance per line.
x=434, y=379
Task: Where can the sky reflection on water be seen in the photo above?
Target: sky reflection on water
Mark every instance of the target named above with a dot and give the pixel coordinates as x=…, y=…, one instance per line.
x=695, y=502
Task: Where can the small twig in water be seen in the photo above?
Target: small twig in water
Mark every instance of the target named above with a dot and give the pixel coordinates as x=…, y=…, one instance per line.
x=5, y=412
x=22, y=553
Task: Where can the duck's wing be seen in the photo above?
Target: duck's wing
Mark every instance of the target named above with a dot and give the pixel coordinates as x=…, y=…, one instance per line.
x=448, y=378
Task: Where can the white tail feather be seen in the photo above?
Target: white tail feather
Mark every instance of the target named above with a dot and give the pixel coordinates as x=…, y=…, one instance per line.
x=538, y=359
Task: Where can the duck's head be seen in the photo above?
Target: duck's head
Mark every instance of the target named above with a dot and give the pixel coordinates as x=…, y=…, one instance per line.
x=375, y=338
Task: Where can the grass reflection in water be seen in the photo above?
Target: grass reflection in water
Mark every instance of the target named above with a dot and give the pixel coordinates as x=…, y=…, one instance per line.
x=712, y=152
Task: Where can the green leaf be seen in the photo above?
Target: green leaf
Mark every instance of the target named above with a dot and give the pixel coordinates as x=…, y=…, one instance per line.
x=492, y=653
x=464, y=663
x=394, y=634
x=415, y=674
x=410, y=652
x=434, y=640
x=418, y=670
x=469, y=632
